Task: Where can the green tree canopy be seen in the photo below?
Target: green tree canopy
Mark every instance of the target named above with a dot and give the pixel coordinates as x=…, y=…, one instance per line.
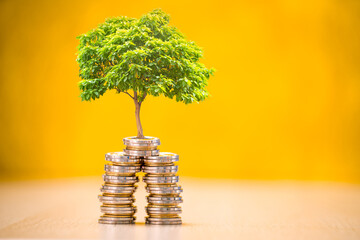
x=146, y=56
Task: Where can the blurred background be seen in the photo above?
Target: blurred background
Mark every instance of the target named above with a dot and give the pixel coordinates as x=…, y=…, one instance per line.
x=285, y=98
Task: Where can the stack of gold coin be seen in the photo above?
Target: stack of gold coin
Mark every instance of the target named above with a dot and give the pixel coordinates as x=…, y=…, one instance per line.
x=117, y=192
x=141, y=147
x=161, y=182
x=160, y=178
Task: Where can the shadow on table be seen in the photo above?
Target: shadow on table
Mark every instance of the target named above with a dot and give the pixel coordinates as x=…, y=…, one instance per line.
x=140, y=231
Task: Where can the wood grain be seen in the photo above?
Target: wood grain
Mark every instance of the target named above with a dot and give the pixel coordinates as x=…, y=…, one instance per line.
x=212, y=209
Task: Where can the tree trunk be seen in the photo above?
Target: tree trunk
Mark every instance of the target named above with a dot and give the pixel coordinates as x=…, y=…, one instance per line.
x=137, y=116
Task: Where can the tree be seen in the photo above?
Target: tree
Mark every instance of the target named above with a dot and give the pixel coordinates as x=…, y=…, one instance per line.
x=141, y=57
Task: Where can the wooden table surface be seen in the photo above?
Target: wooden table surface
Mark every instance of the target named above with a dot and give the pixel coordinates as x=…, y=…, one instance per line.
x=212, y=209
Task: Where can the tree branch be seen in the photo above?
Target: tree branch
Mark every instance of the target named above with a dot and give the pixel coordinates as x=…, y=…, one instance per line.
x=135, y=96
x=118, y=90
x=129, y=95
x=143, y=97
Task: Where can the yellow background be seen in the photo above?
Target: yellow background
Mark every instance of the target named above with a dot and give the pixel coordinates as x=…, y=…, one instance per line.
x=285, y=98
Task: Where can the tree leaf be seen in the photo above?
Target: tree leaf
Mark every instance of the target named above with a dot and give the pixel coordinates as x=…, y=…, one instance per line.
x=146, y=55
